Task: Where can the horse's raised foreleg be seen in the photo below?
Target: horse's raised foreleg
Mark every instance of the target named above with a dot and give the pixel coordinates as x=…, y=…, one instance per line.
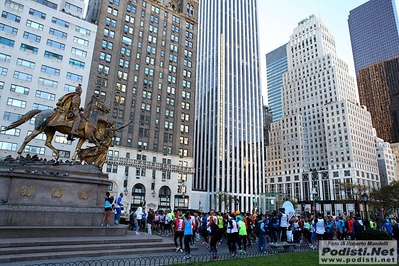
x=27, y=140
x=49, y=138
x=77, y=149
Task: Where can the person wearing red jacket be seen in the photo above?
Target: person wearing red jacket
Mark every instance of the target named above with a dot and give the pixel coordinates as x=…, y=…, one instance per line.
x=179, y=231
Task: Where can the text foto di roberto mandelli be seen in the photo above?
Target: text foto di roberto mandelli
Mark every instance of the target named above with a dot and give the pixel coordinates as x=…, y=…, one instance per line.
x=354, y=243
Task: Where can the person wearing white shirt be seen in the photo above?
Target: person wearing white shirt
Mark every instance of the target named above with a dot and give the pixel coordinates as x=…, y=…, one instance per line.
x=139, y=214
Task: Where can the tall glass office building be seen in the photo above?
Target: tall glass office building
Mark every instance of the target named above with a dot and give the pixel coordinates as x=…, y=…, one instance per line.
x=276, y=65
x=374, y=32
x=229, y=138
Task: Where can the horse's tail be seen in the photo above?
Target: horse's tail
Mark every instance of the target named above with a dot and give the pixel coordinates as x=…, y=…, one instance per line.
x=23, y=119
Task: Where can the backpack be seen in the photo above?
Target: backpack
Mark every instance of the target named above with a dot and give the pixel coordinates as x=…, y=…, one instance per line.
x=258, y=229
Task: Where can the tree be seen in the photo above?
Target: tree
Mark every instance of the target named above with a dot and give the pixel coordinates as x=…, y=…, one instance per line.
x=352, y=191
x=224, y=201
x=387, y=196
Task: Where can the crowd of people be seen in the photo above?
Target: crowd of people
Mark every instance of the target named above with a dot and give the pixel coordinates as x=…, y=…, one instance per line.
x=240, y=230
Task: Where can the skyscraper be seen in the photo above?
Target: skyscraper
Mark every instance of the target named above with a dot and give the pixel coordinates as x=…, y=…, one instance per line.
x=378, y=86
x=144, y=67
x=374, y=32
x=229, y=126
x=276, y=65
x=45, y=52
x=326, y=137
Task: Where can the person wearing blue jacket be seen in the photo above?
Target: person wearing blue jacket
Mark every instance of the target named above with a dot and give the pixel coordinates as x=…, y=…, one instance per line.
x=188, y=233
x=118, y=207
x=261, y=234
x=387, y=226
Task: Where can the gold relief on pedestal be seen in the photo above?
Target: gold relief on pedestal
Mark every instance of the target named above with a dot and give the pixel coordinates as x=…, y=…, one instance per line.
x=84, y=194
x=23, y=193
x=59, y=195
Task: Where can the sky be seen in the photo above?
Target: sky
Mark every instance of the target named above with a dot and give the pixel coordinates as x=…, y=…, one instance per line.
x=278, y=18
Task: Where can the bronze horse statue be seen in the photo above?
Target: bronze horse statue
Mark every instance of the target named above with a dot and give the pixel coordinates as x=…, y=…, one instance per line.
x=49, y=121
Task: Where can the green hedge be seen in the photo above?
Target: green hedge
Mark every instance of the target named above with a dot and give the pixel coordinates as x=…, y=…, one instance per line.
x=372, y=234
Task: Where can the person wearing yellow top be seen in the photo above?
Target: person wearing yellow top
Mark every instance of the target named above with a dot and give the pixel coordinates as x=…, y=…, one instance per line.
x=242, y=235
x=221, y=227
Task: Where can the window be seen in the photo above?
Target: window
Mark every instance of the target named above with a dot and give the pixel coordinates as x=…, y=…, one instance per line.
x=34, y=149
x=37, y=106
x=16, y=103
x=109, y=33
x=81, y=41
x=123, y=63
x=11, y=16
x=112, y=11
x=60, y=22
x=3, y=71
x=58, y=33
x=49, y=83
x=125, y=51
x=45, y=95
x=37, y=13
x=22, y=76
x=5, y=57
x=11, y=117
x=26, y=47
x=34, y=25
x=7, y=42
x=19, y=89
x=32, y=37
x=127, y=29
x=102, y=82
x=76, y=63
x=14, y=5
x=129, y=19
x=52, y=55
x=75, y=77
x=47, y=3
x=8, y=146
x=68, y=87
x=107, y=44
x=55, y=44
x=103, y=69
x=50, y=70
x=63, y=154
x=127, y=41
x=83, y=30
x=74, y=8
x=1, y=85
x=78, y=52
x=8, y=29
x=105, y=56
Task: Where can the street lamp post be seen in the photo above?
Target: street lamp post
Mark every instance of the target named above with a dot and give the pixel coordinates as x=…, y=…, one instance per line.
x=365, y=198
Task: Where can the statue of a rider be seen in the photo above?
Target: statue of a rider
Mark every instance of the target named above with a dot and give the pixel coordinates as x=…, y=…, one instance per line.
x=69, y=104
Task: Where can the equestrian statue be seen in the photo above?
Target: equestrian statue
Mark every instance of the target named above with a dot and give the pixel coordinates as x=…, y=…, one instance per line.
x=69, y=118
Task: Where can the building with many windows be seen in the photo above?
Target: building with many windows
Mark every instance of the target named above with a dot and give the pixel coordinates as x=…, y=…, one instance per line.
x=379, y=90
x=374, y=32
x=276, y=65
x=144, y=67
x=229, y=157
x=325, y=136
x=45, y=52
x=386, y=162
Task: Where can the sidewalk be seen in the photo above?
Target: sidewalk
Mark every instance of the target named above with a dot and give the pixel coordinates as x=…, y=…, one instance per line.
x=201, y=250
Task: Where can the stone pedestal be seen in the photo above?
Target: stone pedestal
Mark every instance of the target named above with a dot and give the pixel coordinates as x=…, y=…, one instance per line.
x=38, y=194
